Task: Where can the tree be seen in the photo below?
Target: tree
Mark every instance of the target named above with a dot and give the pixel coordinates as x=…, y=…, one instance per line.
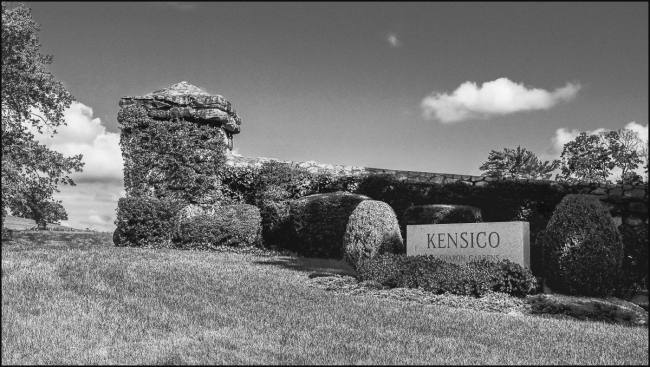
x=30, y=95
x=517, y=163
x=644, y=154
x=40, y=209
x=587, y=158
x=592, y=157
x=625, y=146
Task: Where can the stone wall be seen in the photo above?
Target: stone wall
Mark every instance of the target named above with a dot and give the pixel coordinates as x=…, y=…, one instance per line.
x=627, y=204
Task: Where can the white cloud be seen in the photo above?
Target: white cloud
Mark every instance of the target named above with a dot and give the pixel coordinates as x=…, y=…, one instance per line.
x=498, y=97
x=392, y=40
x=92, y=202
x=564, y=135
x=640, y=129
x=86, y=135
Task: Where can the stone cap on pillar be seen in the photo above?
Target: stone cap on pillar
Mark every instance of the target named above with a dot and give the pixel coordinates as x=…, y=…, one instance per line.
x=184, y=100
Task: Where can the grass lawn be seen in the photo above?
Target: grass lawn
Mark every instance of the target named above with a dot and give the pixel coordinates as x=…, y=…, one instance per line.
x=76, y=299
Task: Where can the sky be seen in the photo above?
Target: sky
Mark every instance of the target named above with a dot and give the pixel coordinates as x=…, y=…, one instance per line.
x=407, y=86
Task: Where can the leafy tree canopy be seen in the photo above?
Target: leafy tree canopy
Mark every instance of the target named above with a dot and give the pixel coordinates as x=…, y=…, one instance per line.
x=517, y=163
x=30, y=95
x=592, y=157
x=626, y=149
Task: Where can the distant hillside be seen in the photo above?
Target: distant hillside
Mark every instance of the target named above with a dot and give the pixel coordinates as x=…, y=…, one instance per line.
x=18, y=223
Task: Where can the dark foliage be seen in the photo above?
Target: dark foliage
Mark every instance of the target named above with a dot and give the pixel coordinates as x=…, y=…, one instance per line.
x=171, y=159
x=31, y=172
x=145, y=222
x=634, y=269
x=277, y=231
x=319, y=223
x=513, y=278
x=437, y=276
x=441, y=214
x=582, y=248
x=231, y=225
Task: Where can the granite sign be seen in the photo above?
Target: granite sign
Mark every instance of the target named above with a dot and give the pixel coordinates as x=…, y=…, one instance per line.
x=464, y=242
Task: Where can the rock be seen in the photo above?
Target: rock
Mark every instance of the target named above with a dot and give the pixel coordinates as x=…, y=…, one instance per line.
x=184, y=100
x=633, y=221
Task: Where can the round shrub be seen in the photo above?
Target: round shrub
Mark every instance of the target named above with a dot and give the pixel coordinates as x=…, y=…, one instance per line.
x=145, y=222
x=582, y=248
x=229, y=225
x=372, y=229
x=319, y=223
x=386, y=269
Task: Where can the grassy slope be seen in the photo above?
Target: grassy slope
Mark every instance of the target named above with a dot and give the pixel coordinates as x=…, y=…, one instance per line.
x=77, y=299
x=18, y=223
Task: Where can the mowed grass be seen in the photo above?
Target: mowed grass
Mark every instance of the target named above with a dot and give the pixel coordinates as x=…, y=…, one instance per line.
x=77, y=299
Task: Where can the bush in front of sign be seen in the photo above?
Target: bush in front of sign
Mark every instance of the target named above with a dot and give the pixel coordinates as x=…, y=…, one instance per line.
x=371, y=230
x=582, y=248
x=513, y=278
x=384, y=269
x=437, y=276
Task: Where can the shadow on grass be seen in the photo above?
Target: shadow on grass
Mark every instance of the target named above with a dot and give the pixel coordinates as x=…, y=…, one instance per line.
x=316, y=267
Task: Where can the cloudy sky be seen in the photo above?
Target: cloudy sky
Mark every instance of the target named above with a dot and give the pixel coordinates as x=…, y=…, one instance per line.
x=409, y=86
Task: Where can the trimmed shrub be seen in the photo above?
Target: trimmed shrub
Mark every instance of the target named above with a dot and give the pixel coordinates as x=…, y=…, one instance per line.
x=582, y=248
x=512, y=278
x=145, y=222
x=384, y=269
x=372, y=229
x=273, y=203
x=437, y=276
x=319, y=223
x=230, y=225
